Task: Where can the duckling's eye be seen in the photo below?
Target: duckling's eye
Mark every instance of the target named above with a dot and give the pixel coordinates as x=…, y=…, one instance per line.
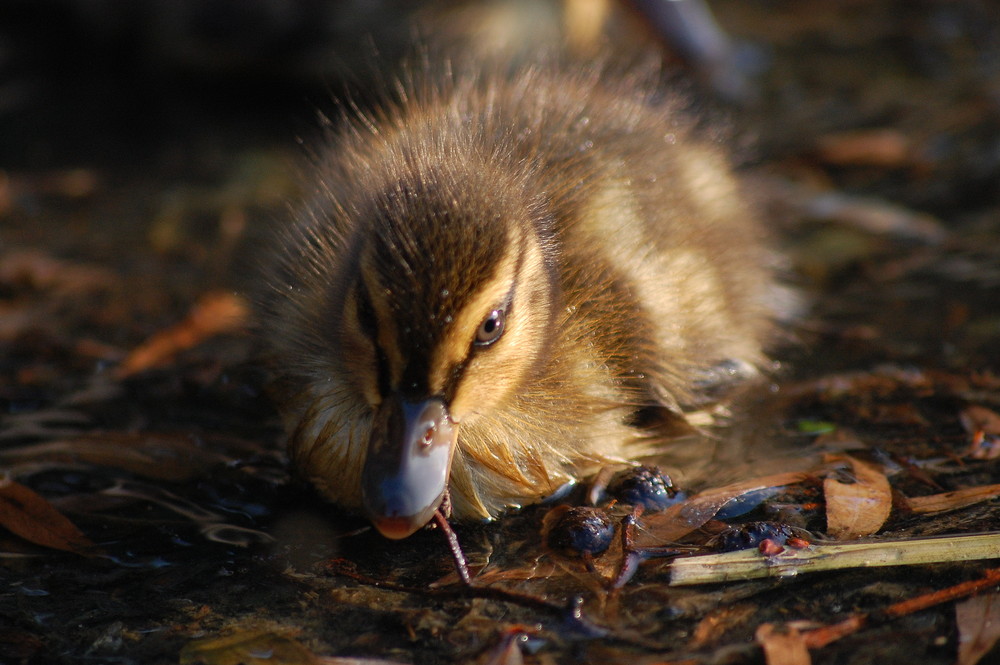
x=490, y=329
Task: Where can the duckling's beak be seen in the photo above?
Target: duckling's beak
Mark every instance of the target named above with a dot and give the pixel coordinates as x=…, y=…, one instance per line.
x=408, y=464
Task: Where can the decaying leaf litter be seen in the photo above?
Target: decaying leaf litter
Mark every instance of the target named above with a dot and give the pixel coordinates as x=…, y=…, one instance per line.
x=149, y=516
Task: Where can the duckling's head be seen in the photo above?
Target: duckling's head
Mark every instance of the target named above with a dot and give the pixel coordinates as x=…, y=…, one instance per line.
x=446, y=312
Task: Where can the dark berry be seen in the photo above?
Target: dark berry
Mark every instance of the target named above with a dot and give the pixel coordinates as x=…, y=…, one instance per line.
x=644, y=486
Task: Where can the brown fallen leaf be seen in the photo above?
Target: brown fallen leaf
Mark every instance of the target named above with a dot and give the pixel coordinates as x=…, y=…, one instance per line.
x=840, y=440
x=508, y=650
x=69, y=183
x=984, y=426
x=325, y=660
x=939, y=503
x=30, y=516
x=246, y=648
x=682, y=518
x=39, y=270
x=718, y=622
x=899, y=414
x=978, y=418
x=881, y=382
x=544, y=569
x=261, y=647
x=20, y=646
x=858, y=509
x=983, y=447
x=978, y=620
x=782, y=646
x=875, y=217
x=174, y=458
x=867, y=147
x=216, y=312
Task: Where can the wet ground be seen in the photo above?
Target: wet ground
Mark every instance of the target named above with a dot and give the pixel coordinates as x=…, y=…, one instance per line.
x=132, y=199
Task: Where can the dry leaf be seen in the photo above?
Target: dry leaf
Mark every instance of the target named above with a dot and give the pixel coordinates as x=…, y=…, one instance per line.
x=980, y=419
x=682, y=518
x=978, y=620
x=784, y=646
x=718, y=622
x=840, y=440
x=858, y=509
x=31, y=516
x=160, y=456
x=41, y=271
x=69, y=183
x=875, y=216
x=983, y=447
x=880, y=382
x=322, y=660
x=261, y=647
x=248, y=647
x=984, y=426
x=215, y=312
x=939, y=503
x=903, y=413
x=866, y=147
x=508, y=651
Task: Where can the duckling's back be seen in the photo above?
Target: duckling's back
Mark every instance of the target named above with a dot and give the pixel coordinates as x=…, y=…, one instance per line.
x=661, y=253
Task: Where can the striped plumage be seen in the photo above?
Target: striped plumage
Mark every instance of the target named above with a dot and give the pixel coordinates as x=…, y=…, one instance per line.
x=566, y=207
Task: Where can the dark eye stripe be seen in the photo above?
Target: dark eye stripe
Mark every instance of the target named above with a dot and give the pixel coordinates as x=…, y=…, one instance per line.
x=365, y=311
x=369, y=327
x=454, y=378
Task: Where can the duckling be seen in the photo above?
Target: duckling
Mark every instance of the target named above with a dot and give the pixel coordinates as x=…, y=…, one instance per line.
x=502, y=280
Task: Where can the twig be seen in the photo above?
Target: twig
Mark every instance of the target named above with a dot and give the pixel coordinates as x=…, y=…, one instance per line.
x=461, y=565
x=751, y=564
x=820, y=637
